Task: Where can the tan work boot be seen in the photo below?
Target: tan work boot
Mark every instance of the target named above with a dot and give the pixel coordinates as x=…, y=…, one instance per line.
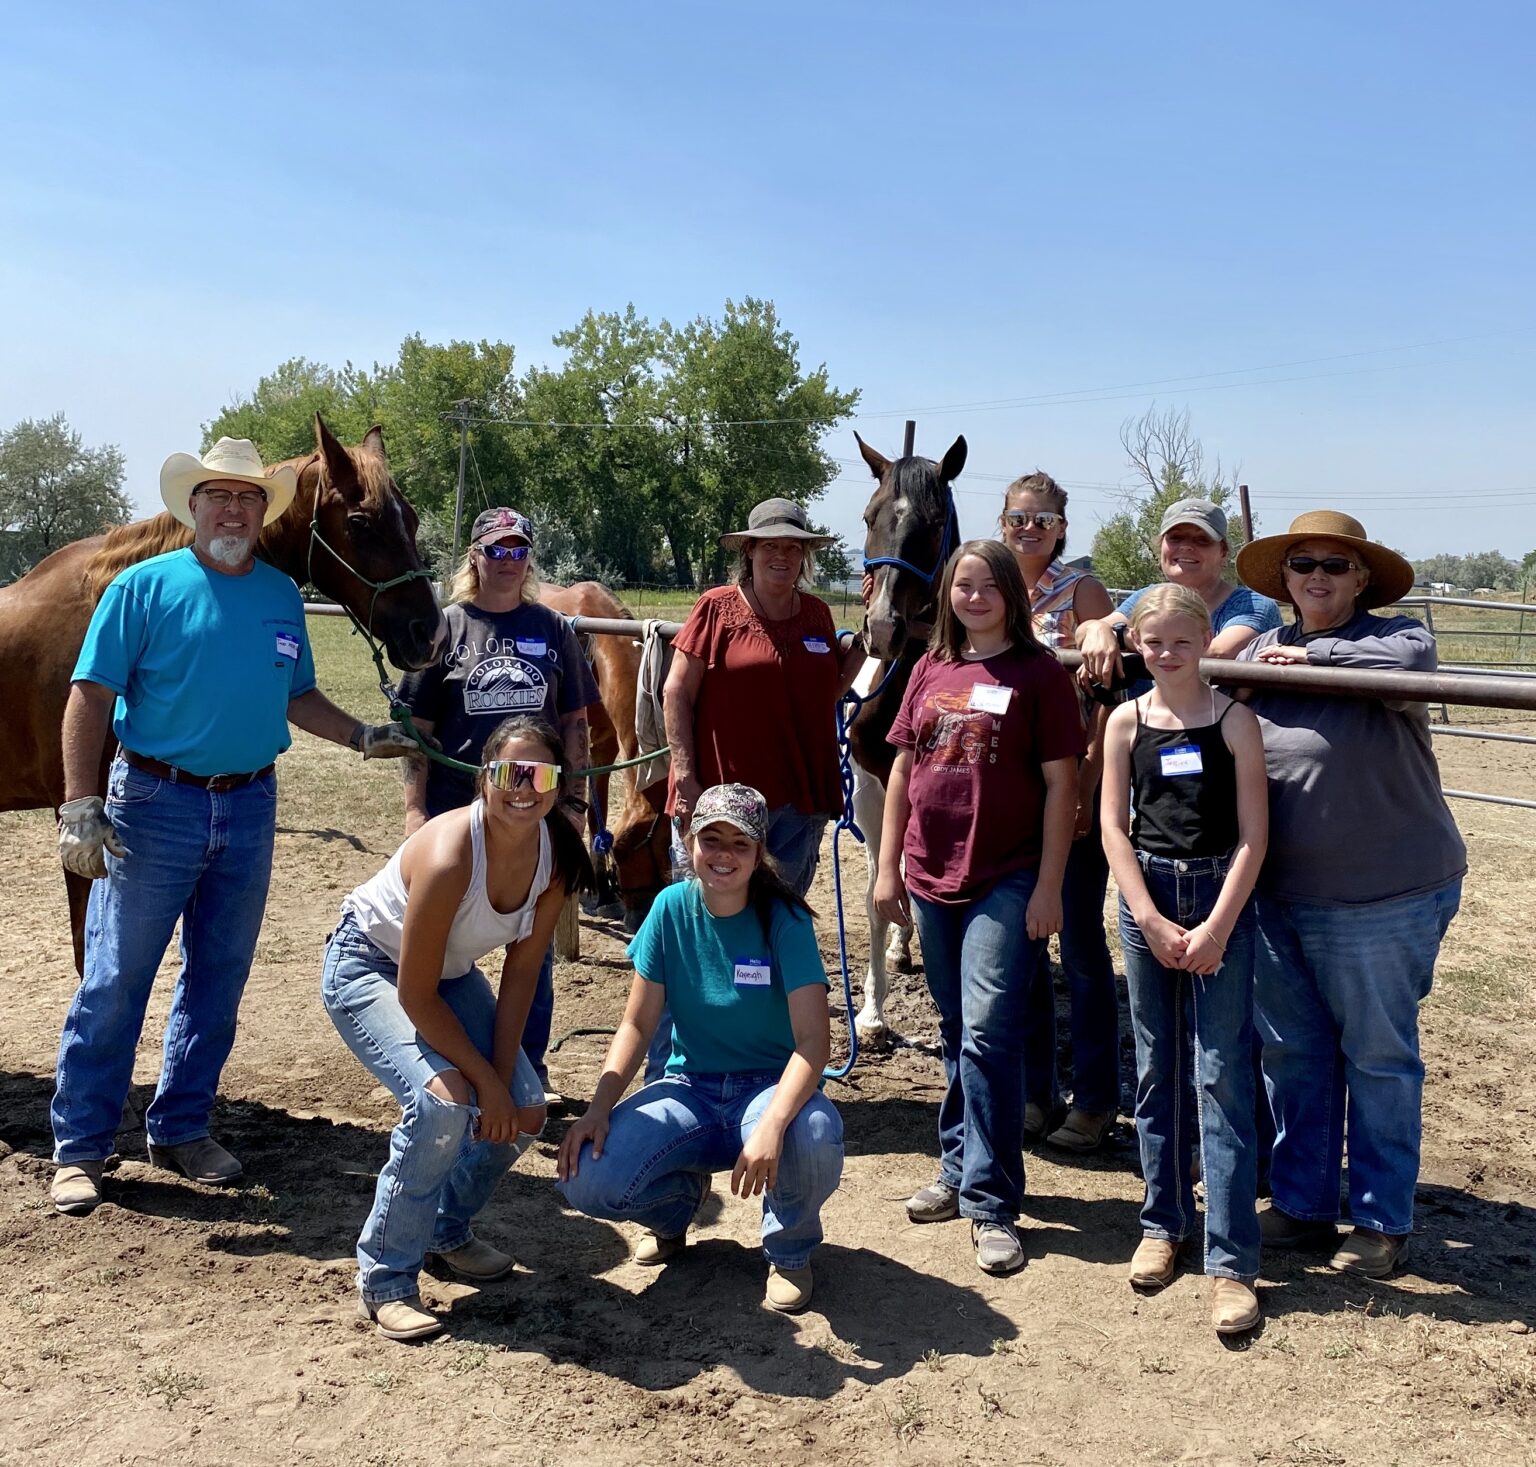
x=1234, y=1306
x=76, y=1188
x=789, y=1289
x=202, y=1160
x=402, y=1319
x=1082, y=1131
x=1154, y=1263
x=653, y=1249
x=476, y=1262
x=1369, y=1253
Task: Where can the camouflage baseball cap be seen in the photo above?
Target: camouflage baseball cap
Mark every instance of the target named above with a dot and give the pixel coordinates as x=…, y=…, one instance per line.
x=731, y=804
x=492, y=524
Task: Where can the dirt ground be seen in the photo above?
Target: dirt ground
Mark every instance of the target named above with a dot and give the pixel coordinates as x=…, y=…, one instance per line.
x=187, y=1324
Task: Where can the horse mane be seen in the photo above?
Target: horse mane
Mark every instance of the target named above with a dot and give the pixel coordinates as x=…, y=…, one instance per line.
x=127, y=545
x=916, y=479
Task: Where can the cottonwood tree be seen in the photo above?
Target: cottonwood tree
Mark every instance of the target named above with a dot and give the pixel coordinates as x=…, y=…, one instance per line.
x=1169, y=464
x=53, y=489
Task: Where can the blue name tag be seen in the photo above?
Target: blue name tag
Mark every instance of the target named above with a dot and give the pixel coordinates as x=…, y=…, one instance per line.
x=1181, y=759
x=816, y=644
x=288, y=646
x=532, y=647
x=753, y=972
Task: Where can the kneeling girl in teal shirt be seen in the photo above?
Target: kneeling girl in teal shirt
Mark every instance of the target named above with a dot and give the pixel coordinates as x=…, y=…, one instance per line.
x=733, y=954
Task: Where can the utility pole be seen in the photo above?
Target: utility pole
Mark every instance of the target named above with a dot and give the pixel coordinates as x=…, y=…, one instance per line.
x=909, y=439
x=1242, y=495
x=458, y=501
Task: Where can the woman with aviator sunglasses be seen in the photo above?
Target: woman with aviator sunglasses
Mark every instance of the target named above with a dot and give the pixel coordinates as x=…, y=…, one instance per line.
x=1061, y=597
x=401, y=986
x=1361, y=882
x=505, y=654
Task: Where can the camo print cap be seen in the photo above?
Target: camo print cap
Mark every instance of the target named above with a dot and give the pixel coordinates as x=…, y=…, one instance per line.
x=732, y=804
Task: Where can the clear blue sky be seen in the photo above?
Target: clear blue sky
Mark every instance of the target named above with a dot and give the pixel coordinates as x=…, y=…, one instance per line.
x=1002, y=202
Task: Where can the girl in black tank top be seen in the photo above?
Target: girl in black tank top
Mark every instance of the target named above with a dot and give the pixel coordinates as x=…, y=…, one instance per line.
x=1191, y=762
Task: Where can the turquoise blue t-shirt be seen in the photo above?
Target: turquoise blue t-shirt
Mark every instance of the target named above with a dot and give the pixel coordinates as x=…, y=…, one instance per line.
x=203, y=664
x=727, y=987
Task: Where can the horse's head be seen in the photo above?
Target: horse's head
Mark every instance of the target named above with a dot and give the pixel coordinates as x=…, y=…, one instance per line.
x=910, y=529
x=367, y=535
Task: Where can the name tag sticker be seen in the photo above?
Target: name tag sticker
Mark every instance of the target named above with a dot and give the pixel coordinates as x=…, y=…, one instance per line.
x=532, y=647
x=1180, y=759
x=816, y=644
x=990, y=697
x=753, y=972
x=288, y=645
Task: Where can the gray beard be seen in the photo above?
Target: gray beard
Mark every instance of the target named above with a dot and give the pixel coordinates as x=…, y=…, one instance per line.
x=231, y=550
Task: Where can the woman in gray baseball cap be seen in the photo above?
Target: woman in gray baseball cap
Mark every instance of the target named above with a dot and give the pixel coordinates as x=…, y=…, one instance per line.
x=1193, y=551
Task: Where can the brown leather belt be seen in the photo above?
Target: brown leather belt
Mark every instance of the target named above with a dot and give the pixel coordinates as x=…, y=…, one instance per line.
x=217, y=783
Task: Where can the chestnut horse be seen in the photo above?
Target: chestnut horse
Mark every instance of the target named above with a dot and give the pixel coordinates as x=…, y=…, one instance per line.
x=911, y=530
x=348, y=528
x=641, y=870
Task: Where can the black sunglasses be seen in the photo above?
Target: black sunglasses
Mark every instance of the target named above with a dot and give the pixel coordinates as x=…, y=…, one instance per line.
x=1332, y=565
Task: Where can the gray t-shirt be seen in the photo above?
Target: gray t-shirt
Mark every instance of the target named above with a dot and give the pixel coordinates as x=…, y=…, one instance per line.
x=1355, y=809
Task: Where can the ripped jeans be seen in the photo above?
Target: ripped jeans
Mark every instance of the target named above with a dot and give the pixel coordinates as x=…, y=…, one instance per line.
x=437, y=1176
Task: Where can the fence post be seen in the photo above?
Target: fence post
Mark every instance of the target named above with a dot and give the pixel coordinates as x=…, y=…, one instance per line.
x=1429, y=621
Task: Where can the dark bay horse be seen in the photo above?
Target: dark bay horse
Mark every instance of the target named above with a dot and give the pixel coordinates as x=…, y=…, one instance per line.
x=911, y=529
x=366, y=532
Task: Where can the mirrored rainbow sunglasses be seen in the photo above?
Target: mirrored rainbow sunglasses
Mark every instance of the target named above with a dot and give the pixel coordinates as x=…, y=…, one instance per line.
x=513, y=774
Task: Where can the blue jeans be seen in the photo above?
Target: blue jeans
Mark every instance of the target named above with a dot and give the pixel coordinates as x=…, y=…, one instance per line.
x=666, y=1138
x=1165, y=1004
x=1090, y=976
x=437, y=1177
x=1338, y=991
x=979, y=965
x=207, y=859
x=794, y=842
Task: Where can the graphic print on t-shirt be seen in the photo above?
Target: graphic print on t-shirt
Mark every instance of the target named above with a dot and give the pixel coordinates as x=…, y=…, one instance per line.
x=505, y=685
x=955, y=735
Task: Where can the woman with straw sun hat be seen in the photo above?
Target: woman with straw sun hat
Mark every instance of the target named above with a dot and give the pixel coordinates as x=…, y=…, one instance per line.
x=1362, y=879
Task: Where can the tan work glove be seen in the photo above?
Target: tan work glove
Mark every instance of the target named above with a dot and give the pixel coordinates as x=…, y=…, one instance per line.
x=386, y=741
x=85, y=835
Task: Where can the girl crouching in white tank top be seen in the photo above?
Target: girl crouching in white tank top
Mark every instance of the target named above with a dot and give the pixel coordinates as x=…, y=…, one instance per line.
x=401, y=986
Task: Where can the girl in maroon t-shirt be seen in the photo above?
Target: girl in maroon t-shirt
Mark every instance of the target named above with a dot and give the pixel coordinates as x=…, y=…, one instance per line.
x=980, y=806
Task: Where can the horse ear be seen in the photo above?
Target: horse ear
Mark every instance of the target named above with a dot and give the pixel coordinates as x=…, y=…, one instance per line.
x=373, y=441
x=953, y=461
x=877, y=461
x=340, y=472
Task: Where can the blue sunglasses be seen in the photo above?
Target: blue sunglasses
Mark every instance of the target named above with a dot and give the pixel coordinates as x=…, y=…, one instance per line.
x=505, y=552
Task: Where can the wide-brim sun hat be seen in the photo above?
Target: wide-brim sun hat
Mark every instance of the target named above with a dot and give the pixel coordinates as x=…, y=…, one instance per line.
x=1261, y=563
x=229, y=458
x=776, y=519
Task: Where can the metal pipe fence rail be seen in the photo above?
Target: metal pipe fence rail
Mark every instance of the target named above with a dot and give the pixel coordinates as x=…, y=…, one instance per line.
x=1471, y=688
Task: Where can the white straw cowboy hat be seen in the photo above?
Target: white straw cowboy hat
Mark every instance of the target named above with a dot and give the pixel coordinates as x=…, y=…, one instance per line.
x=1260, y=563
x=229, y=458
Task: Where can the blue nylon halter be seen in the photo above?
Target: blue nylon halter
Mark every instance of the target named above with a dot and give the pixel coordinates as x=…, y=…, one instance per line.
x=951, y=527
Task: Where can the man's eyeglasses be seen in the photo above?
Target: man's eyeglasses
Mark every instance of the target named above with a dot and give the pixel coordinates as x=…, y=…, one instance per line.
x=505, y=552
x=1332, y=565
x=220, y=498
x=1043, y=519
x=512, y=774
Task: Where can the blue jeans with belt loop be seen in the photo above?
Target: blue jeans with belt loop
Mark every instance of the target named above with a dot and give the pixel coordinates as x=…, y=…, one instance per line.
x=437, y=1176
x=666, y=1138
x=201, y=855
x=1165, y=1003
x=1339, y=990
x=979, y=965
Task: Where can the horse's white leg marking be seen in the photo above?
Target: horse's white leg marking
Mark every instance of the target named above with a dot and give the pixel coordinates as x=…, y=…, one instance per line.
x=869, y=811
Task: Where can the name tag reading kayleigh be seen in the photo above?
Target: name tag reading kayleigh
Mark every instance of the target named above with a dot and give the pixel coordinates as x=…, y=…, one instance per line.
x=990, y=697
x=1181, y=759
x=753, y=972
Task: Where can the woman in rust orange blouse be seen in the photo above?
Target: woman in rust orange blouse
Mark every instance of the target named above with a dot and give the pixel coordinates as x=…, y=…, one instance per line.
x=756, y=673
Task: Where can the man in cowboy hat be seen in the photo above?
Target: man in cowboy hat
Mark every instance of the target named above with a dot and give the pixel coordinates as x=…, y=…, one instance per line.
x=197, y=660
